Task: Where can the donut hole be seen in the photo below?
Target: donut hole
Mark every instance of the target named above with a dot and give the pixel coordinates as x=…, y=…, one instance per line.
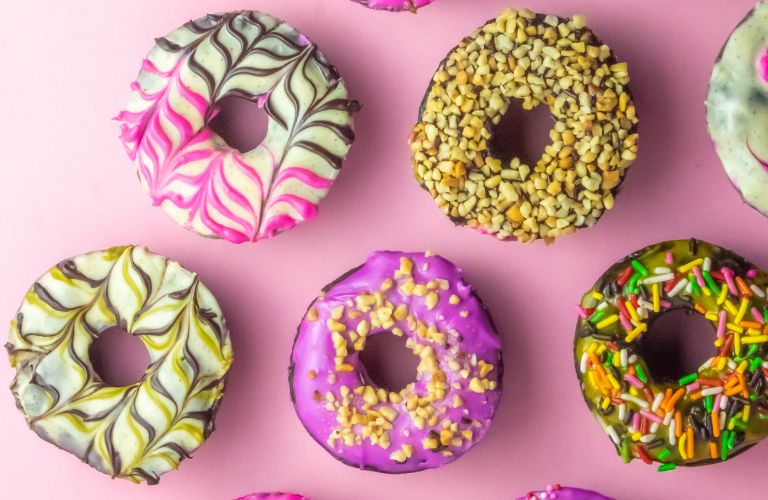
x=521, y=134
x=387, y=362
x=677, y=343
x=240, y=122
x=120, y=359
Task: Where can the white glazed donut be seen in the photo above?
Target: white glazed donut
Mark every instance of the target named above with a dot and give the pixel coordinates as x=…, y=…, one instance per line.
x=738, y=107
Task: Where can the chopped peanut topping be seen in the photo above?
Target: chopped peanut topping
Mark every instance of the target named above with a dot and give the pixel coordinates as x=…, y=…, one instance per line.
x=538, y=61
x=368, y=413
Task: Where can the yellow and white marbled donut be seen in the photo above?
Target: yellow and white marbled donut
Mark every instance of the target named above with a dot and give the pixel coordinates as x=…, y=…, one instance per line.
x=138, y=431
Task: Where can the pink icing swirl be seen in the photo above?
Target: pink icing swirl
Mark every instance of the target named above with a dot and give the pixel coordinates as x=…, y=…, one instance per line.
x=201, y=181
x=762, y=66
x=757, y=158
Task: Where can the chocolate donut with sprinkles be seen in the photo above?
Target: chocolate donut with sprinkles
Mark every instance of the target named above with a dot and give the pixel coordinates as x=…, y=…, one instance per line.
x=540, y=60
x=710, y=415
x=203, y=183
x=137, y=431
x=737, y=107
x=430, y=422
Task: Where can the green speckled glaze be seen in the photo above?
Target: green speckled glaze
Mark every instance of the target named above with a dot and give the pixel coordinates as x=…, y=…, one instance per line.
x=606, y=338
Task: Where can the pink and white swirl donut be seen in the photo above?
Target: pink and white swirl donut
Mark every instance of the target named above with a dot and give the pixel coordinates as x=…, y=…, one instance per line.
x=428, y=423
x=203, y=183
x=395, y=5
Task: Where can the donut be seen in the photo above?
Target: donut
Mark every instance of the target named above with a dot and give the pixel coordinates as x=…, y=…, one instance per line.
x=430, y=422
x=709, y=415
x=557, y=492
x=204, y=184
x=140, y=431
x=737, y=108
x=395, y=5
x=273, y=496
x=538, y=59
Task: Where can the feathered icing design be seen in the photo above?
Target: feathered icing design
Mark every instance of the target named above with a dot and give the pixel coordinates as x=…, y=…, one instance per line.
x=142, y=430
x=395, y=5
x=201, y=181
x=737, y=108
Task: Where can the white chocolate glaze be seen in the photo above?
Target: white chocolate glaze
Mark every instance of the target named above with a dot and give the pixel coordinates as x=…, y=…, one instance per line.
x=203, y=183
x=140, y=431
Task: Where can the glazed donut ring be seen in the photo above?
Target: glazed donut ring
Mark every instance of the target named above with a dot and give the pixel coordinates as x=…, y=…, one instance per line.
x=557, y=492
x=430, y=422
x=395, y=5
x=539, y=59
x=140, y=431
x=737, y=108
x=706, y=416
x=206, y=185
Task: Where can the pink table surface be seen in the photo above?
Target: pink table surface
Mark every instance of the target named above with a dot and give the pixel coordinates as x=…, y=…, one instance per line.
x=67, y=187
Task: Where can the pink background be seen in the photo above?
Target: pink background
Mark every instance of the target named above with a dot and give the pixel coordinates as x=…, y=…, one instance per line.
x=67, y=187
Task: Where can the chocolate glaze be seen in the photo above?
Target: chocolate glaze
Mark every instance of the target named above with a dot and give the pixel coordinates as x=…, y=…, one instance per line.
x=538, y=18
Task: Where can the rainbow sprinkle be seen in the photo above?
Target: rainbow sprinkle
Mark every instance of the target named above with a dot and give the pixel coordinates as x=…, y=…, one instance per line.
x=710, y=414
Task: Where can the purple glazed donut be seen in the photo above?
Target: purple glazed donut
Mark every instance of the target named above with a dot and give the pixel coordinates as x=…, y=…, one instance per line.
x=430, y=422
x=273, y=496
x=395, y=5
x=557, y=492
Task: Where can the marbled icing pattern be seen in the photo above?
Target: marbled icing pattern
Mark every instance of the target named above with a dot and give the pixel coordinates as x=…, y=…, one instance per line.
x=395, y=5
x=557, y=492
x=203, y=183
x=737, y=108
x=433, y=420
x=140, y=431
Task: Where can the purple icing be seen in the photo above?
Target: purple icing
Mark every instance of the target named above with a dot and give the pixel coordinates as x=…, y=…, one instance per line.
x=470, y=340
x=395, y=5
x=273, y=496
x=557, y=492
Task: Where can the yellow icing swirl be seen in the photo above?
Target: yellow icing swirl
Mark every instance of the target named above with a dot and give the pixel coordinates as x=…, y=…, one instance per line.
x=139, y=431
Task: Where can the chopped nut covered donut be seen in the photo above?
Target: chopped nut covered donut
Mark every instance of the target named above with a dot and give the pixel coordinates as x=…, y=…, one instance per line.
x=433, y=420
x=538, y=59
x=137, y=431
